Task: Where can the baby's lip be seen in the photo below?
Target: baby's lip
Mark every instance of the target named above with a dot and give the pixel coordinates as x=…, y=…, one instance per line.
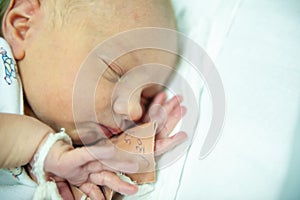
x=109, y=132
x=124, y=125
x=114, y=131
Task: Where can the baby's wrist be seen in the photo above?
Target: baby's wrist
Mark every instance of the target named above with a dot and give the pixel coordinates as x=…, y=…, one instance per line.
x=49, y=151
x=41, y=161
x=52, y=160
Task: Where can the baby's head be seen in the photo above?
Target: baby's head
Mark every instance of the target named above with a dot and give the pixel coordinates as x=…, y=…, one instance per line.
x=50, y=40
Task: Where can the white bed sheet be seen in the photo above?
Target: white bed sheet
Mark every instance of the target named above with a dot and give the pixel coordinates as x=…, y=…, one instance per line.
x=255, y=45
x=257, y=55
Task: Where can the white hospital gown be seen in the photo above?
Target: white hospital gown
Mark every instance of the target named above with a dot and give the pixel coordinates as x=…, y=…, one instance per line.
x=14, y=183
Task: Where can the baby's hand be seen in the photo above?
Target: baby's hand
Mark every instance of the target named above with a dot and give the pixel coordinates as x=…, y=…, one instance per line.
x=84, y=167
x=167, y=114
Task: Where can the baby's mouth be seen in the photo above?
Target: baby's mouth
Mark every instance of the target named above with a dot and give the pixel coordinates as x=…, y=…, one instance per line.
x=109, y=132
x=106, y=131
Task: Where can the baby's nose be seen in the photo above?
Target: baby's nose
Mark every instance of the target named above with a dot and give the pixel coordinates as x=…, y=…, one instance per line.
x=131, y=108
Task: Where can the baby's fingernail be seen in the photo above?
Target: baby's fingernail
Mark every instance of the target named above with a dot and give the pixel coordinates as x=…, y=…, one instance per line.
x=179, y=98
x=160, y=97
x=134, y=189
x=130, y=190
x=180, y=112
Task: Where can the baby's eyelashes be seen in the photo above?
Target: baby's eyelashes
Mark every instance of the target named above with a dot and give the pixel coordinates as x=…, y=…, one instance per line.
x=117, y=68
x=114, y=70
x=111, y=75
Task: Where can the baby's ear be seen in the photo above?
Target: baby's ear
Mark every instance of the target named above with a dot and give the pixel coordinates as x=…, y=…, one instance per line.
x=17, y=24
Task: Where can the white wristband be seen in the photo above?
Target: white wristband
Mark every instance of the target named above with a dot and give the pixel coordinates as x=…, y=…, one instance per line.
x=47, y=189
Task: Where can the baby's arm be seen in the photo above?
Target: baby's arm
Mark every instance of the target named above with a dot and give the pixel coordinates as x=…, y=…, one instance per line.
x=20, y=136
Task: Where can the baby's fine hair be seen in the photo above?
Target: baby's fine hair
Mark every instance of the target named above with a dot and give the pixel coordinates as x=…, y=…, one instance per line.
x=3, y=6
x=58, y=9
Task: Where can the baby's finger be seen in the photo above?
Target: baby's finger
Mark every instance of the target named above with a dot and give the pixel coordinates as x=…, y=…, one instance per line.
x=157, y=102
x=93, y=167
x=160, y=113
x=110, y=165
x=83, y=155
x=64, y=190
x=172, y=119
x=112, y=181
x=172, y=103
x=160, y=98
x=121, y=166
x=164, y=145
x=92, y=191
